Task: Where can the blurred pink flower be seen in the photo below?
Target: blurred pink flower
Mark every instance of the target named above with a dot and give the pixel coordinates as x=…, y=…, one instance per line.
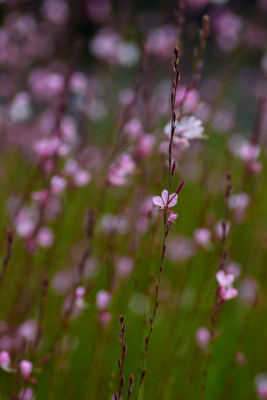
x=125, y=265
x=225, y=282
x=28, y=330
x=202, y=237
x=58, y=184
x=45, y=237
x=26, y=394
x=4, y=359
x=261, y=385
x=103, y=299
x=202, y=337
x=25, y=368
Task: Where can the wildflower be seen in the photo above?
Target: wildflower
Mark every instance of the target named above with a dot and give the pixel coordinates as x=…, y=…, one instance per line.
x=202, y=237
x=172, y=217
x=25, y=368
x=58, y=184
x=79, y=297
x=261, y=385
x=4, y=359
x=103, y=299
x=125, y=265
x=26, y=394
x=202, y=337
x=28, y=330
x=118, y=173
x=45, y=237
x=226, y=290
x=162, y=201
x=187, y=128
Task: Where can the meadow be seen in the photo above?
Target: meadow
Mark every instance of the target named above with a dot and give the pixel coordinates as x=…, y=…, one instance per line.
x=133, y=219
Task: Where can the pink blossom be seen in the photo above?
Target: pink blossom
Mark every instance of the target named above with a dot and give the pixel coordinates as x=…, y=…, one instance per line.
x=58, y=184
x=24, y=223
x=81, y=177
x=28, y=330
x=25, y=368
x=233, y=268
x=126, y=97
x=202, y=337
x=56, y=11
x=161, y=40
x=162, y=201
x=41, y=196
x=80, y=292
x=248, y=291
x=78, y=82
x=104, y=317
x=118, y=173
x=4, y=359
x=202, y=237
x=47, y=147
x=103, y=299
x=26, y=394
x=125, y=265
x=133, y=128
x=45, y=237
x=172, y=217
x=114, y=223
x=228, y=293
x=225, y=282
x=145, y=145
x=261, y=385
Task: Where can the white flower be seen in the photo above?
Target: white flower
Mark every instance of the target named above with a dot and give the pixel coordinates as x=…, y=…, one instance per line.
x=188, y=128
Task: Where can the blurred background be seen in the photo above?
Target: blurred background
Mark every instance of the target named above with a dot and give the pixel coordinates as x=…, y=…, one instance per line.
x=84, y=102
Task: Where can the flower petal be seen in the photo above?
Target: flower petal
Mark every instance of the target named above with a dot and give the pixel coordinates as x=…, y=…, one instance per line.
x=164, y=196
x=157, y=200
x=172, y=199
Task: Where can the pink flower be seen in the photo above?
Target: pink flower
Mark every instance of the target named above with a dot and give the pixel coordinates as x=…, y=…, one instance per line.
x=4, y=359
x=28, y=330
x=80, y=292
x=226, y=290
x=40, y=196
x=26, y=394
x=119, y=172
x=228, y=293
x=224, y=280
x=102, y=299
x=125, y=265
x=47, y=147
x=25, y=368
x=202, y=336
x=45, y=237
x=81, y=177
x=172, y=217
x=145, y=146
x=261, y=385
x=58, y=184
x=202, y=237
x=162, y=201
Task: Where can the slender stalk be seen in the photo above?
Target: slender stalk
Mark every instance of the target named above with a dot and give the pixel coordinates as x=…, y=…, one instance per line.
x=166, y=224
